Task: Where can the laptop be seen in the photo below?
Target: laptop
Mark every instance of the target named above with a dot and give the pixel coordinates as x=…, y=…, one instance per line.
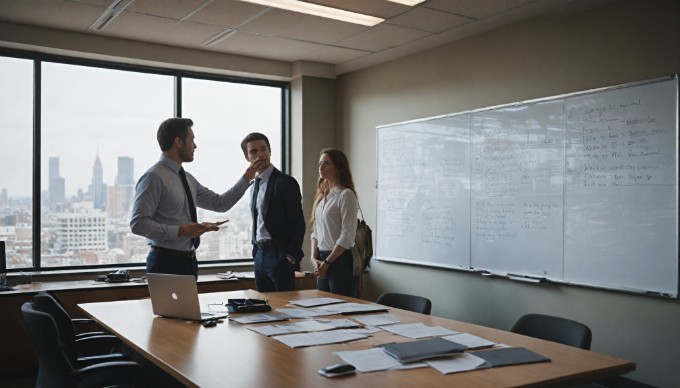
x=176, y=296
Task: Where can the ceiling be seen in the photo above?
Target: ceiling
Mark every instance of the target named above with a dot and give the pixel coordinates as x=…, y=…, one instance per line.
x=235, y=27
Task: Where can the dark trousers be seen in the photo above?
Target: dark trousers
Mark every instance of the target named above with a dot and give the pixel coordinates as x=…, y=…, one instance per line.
x=157, y=262
x=273, y=271
x=339, y=277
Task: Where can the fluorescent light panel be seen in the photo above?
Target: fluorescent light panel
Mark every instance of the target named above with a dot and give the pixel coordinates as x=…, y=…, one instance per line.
x=410, y=3
x=320, y=10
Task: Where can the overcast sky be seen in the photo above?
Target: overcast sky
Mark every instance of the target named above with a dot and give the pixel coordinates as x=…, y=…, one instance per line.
x=88, y=111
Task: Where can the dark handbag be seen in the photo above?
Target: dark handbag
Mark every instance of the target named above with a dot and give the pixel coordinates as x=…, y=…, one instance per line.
x=362, y=251
x=248, y=306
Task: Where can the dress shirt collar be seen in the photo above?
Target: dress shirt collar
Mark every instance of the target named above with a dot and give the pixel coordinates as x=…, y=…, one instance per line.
x=170, y=163
x=266, y=173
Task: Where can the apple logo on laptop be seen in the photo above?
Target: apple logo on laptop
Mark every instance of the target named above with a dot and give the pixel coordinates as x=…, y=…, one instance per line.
x=174, y=296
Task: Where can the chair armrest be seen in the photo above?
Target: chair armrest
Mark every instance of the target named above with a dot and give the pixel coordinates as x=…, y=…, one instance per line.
x=97, y=345
x=82, y=321
x=91, y=334
x=82, y=362
x=107, y=374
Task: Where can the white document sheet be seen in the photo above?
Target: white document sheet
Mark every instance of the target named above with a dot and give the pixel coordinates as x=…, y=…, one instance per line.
x=288, y=328
x=339, y=323
x=353, y=308
x=377, y=319
x=315, y=302
x=418, y=330
x=471, y=341
x=318, y=338
x=459, y=363
x=367, y=330
x=373, y=360
x=259, y=318
x=303, y=313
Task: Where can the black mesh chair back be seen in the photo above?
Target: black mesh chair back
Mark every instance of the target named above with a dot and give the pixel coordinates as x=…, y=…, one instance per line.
x=555, y=329
x=413, y=303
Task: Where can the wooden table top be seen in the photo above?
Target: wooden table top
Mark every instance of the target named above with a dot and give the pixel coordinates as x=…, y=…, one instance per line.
x=230, y=354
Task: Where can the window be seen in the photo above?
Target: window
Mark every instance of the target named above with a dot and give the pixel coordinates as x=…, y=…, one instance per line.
x=97, y=126
x=223, y=114
x=16, y=189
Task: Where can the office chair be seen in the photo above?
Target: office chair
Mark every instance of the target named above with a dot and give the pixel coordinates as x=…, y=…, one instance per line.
x=555, y=329
x=413, y=303
x=76, y=321
x=54, y=367
x=84, y=348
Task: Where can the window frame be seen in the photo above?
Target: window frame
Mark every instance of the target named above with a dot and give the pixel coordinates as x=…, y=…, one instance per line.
x=38, y=58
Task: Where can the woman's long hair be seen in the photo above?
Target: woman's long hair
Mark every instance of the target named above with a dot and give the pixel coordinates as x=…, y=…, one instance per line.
x=341, y=164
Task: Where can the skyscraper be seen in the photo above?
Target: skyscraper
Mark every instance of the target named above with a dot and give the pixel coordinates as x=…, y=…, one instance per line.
x=3, y=199
x=97, y=187
x=57, y=187
x=125, y=181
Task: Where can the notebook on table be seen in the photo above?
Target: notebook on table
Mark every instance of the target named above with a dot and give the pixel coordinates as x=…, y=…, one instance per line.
x=407, y=352
x=176, y=296
x=510, y=356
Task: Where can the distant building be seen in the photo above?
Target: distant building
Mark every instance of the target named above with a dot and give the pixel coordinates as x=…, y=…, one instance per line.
x=57, y=187
x=97, y=187
x=125, y=181
x=115, y=199
x=81, y=230
x=4, y=202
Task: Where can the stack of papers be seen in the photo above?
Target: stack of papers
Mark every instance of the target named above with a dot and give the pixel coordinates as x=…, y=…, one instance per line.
x=407, y=352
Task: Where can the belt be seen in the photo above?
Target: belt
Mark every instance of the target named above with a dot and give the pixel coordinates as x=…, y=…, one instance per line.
x=174, y=253
x=264, y=244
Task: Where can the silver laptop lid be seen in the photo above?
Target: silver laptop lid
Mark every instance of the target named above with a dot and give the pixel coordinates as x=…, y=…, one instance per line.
x=174, y=296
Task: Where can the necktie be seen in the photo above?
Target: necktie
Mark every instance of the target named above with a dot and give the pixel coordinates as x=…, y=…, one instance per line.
x=192, y=208
x=253, y=205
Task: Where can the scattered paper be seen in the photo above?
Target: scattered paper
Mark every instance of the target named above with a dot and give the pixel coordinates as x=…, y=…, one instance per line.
x=377, y=319
x=459, y=363
x=418, y=330
x=313, y=302
x=471, y=341
x=373, y=360
x=318, y=338
x=288, y=328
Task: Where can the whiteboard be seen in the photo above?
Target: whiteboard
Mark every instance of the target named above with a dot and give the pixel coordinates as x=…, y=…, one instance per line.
x=579, y=189
x=424, y=197
x=517, y=163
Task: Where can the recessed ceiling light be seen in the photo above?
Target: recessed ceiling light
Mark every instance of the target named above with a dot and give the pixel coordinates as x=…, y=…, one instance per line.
x=320, y=10
x=407, y=2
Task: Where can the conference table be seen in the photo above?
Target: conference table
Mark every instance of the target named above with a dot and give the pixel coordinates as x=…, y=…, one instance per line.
x=229, y=354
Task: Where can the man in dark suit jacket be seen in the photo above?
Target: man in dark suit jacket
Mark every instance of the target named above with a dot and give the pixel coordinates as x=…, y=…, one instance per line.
x=278, y=221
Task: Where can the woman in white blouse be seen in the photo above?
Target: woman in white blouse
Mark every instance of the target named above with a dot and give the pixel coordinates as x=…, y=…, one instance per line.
x=334, y=224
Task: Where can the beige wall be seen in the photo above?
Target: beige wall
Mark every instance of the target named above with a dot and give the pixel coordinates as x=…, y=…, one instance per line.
x=314, y=109
x=619, y=43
